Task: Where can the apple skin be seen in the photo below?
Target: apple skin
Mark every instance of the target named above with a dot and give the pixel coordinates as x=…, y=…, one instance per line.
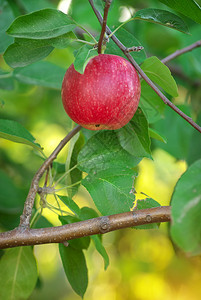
x=106, y=96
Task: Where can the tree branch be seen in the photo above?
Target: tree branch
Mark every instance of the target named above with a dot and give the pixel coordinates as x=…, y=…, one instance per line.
x=100, y=225
x=23, y=235
x=181, y=51
x=104, y=23
x=26, y=216
x=141, y=72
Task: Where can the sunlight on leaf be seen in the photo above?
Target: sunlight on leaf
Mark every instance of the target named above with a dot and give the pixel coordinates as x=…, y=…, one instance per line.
x=15, y=132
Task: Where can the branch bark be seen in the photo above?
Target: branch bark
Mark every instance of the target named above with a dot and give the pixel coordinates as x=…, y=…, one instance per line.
x=100, y=225
x=104, y=23
x=141, y=72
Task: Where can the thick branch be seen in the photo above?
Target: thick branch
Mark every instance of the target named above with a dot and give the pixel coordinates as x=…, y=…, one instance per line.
x=26, y=216
x=100, y=225
x=141, y=72
x=104, y=23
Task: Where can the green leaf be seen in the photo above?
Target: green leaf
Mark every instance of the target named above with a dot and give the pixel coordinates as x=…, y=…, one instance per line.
x=152, y=105
x=129, y=41
x=75, y=268
x=103, y=151
x=70, y=204
x=177, y=131
x=111, y=190
x=157, y=136
x=134, y=137
x=42, y=73
x=100, y=248
x=160, y=74
x=59, y=167
x=186, y=210
x=88, y=213
x=18, y=273
x=15, y=132
x=83, y=55
x=144, y=204
x=42, y=222
x=42, y=24
x=11, y=198
x=162, y=17
x=26, y=52
x=6, y=17
x=62, y=41
x=74, y=176
x=188, y=8
x=71, y=145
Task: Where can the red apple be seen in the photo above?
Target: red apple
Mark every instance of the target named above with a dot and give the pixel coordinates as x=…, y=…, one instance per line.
x=106, y=96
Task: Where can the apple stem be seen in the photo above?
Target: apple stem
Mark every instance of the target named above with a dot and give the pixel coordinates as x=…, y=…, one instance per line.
x=104, y=23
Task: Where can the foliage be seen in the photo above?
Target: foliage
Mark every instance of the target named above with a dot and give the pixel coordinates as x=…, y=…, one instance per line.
x=38, y=42
x=187, y=189
x=20, y=273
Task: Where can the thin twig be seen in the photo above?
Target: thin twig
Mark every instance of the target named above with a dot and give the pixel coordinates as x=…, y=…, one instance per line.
x=100, y=225
x=181, y=51
x=26, y=216
x=135, y=49
x=141, y=72
x=104, y=23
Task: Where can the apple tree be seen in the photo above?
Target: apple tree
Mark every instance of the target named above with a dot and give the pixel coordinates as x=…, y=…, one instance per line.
x=120, y=79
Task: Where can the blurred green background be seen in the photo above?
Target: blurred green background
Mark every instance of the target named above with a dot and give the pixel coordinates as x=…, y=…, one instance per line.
x=144, y=265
